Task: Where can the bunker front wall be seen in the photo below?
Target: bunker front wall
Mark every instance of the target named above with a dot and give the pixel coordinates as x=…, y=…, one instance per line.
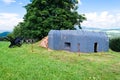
x=77, y=41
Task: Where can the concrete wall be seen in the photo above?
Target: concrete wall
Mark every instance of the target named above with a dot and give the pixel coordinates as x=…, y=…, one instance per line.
x=78, y=41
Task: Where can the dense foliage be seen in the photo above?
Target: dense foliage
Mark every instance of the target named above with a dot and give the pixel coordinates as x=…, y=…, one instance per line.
x=44, y=15
x=115, y=44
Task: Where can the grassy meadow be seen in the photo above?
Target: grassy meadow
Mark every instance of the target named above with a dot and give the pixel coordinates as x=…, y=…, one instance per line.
x=20, y=63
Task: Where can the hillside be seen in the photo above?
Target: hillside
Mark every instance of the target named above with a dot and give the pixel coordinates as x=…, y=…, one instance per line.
x=3, y=34
x=20, y=63
x=111, y=32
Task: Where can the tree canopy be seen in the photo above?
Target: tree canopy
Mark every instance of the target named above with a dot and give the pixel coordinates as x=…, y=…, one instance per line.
x=44, y=15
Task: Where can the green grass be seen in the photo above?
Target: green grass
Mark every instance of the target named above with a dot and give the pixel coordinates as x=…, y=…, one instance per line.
x=23, y=64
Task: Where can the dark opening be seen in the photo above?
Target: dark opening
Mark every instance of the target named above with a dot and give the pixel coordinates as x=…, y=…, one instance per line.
x=67, y=45
x=78, y=47
x=95, y=47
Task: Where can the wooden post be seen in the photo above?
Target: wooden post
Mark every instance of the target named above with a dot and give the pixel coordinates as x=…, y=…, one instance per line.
x=32, y=47
x=31, y=41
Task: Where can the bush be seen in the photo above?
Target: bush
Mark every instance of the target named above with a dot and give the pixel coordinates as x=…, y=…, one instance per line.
x=115, y=44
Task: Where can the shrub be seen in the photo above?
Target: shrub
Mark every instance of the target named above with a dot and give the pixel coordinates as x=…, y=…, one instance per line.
x=115, y=44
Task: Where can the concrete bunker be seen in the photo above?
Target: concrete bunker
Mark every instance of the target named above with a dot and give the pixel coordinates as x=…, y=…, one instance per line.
x=78, y=41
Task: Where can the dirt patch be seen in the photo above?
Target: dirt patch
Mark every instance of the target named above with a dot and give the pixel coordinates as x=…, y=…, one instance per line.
x=44, y=42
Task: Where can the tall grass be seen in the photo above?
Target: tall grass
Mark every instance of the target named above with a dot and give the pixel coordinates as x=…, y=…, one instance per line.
x=41, y=64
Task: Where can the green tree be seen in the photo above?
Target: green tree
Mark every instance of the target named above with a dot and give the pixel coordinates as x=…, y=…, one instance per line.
x=17, y=30
x=44, y=15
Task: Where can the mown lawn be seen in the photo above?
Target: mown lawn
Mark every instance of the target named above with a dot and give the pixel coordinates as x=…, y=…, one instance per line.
x=23, y=64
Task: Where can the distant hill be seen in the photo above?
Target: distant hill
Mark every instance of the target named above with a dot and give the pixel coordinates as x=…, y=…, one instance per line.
x=110, y=32
x=3, y=34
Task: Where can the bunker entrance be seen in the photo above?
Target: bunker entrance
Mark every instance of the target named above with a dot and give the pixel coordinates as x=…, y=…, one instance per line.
x=95, y=47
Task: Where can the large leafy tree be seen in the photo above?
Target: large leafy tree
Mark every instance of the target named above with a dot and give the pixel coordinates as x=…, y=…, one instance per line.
x=44, y=15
